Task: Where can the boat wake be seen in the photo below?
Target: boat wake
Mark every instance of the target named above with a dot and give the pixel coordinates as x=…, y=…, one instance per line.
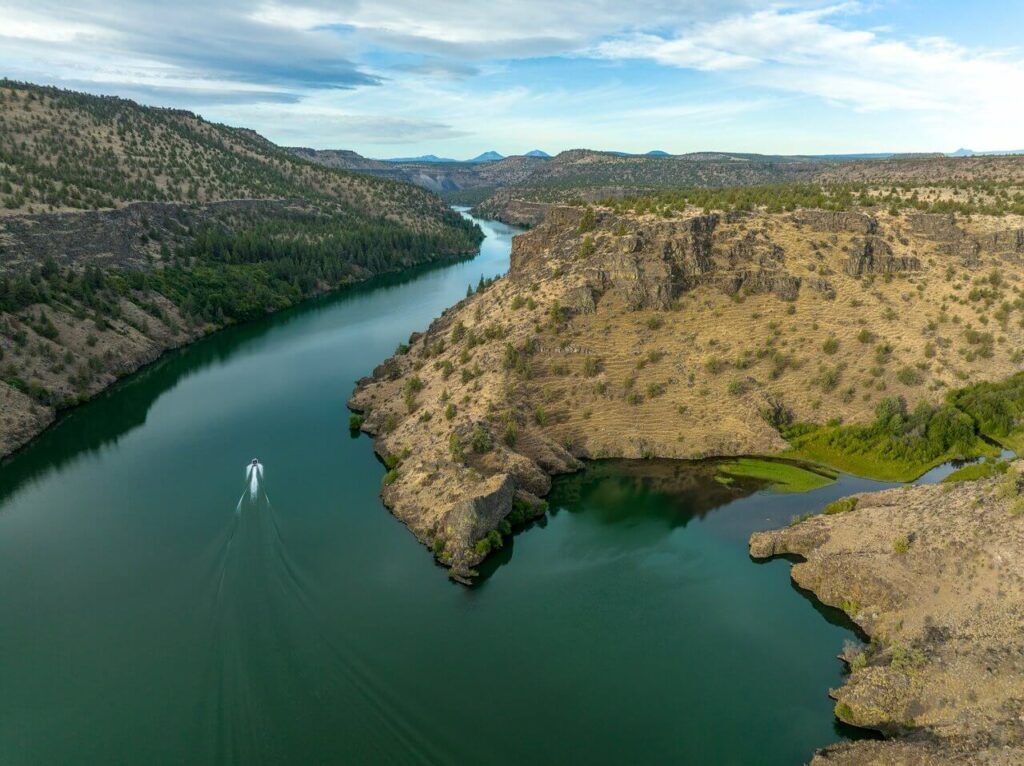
x=276, y=663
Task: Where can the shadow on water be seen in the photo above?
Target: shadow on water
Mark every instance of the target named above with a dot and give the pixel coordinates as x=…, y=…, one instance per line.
x=124, y=406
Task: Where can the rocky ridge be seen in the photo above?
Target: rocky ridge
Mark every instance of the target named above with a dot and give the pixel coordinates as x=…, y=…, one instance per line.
x=638, y=336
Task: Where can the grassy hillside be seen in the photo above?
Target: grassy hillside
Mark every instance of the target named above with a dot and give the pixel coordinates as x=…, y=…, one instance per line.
x=61, y=150
x=126, y=230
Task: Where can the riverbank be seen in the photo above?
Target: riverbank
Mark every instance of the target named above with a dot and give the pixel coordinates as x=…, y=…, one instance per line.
x=54, y=361
x=934, y=576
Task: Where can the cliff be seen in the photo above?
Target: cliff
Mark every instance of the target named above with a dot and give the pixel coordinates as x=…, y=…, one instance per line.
x=629, y=335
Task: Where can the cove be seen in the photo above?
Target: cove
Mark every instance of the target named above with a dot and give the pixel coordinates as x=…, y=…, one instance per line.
x=146, y=620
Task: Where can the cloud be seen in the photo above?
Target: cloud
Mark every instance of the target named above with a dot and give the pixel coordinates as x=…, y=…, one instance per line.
x=327, y=127
x=198, y=42
x=808, y=52
x=481, y=30
x=579, y=71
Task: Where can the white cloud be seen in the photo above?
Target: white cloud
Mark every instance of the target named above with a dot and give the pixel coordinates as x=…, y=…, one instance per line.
x=809, y=52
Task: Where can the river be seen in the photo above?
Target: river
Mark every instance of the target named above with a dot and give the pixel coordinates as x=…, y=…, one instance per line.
x=151, y=616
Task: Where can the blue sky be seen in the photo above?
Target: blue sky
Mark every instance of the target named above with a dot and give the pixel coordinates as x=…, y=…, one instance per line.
x=457, y=77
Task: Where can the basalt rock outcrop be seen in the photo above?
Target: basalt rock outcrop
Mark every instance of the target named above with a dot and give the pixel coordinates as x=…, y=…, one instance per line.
x=874, y=256
x=934, y=575
x=130, y=237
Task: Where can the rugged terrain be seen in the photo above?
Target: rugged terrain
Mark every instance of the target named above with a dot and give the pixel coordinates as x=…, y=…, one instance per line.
x=833, y=336
x=127, y=230
x=921, y=184
x=935, y=577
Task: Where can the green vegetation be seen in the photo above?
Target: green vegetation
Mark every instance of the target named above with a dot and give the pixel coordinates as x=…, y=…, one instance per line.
x=982, y=469
x=998, y=409
x=781, y=476
x=898, y=445
x=985, y=197
x=843, y=505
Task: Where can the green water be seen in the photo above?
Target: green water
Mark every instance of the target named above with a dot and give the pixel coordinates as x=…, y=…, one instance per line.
x=143, y=620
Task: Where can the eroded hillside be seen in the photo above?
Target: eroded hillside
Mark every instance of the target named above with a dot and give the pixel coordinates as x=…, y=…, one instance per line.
x=617, y=334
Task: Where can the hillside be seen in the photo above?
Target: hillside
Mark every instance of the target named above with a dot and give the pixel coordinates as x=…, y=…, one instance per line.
x=127, y=230
x=437, y=175
x=934, y=184
x=845, y=338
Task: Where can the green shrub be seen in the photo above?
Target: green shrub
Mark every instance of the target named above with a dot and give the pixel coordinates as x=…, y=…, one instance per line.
x=843, y=505
x=908, y=376
x=714, y=365
x=738, y=387
x=511, y=435
x=455, y=448
x=480, y=440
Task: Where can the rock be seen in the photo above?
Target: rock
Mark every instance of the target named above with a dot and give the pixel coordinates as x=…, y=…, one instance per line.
x=874, y=256
x=942, y=675
x=836, y=221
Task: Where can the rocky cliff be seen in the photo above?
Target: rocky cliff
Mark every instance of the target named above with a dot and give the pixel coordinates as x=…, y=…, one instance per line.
x=623, y=335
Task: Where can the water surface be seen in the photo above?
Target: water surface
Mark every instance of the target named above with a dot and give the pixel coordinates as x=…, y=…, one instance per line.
x=148, y=619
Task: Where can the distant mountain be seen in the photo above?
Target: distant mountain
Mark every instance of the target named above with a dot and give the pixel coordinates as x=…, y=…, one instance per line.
x=422, y=158
x=490, y=156
x=658, y=153
x=971, y=153
x=538, y=153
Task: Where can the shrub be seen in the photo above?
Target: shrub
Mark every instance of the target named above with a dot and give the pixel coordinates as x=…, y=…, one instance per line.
x=592, y=366
x=480, y=439
x=828, y=378
x=901, y=545
x=355, y=422
x=738, y=387
x=714, y=365
x=908, y=376
x=455, y=447
x=655, y=390
x=865, y=335
x=843, y=505
x=511, y=435
x=830, y=346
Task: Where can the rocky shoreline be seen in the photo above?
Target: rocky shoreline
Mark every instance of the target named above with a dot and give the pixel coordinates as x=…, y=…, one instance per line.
x=935, y=576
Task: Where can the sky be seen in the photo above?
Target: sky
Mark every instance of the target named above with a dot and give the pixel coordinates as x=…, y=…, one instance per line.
x=458, y=77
